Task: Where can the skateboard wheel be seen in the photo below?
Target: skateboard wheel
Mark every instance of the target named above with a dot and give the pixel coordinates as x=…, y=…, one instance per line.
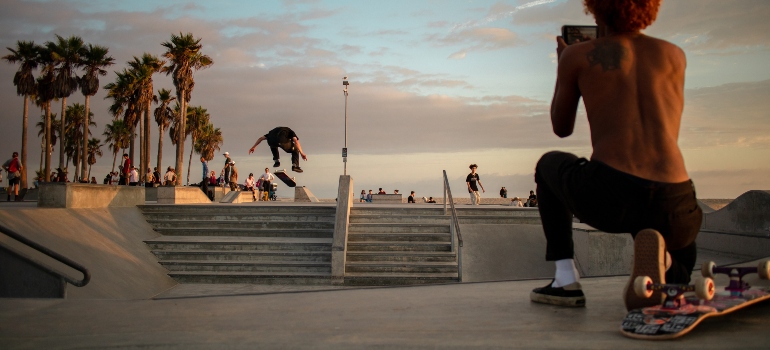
x=640, y=286
x=764, y=270
x=704, y=288
x=707, y=269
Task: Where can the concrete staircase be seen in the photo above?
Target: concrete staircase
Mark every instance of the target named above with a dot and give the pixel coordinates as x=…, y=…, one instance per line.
x=268, y=244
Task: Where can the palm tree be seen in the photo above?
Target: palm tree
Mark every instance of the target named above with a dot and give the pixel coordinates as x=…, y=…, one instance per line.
x=76, y=117
x=26, y=54
x=43, y=131
x=94, y=150
x=183, y=53
x=45, y=94
x=197, y=119
x=117, y=135
x=66, y=56
x=164, y=115
x=123, y=92
x=94, y=59
x=142, y=70
x=210, y=141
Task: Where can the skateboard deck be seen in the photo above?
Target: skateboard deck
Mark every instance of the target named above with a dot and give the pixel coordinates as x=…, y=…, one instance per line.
x=680, y=314
x=289, y=181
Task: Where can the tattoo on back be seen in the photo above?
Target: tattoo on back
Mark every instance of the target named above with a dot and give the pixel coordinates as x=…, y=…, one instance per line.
x=607, y=54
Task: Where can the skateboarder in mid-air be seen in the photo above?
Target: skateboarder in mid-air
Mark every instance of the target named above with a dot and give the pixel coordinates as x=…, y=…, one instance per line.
x=286, y=139
x=633, y=90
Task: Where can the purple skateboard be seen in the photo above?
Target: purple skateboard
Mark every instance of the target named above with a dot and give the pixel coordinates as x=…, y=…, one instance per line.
x=679, y=314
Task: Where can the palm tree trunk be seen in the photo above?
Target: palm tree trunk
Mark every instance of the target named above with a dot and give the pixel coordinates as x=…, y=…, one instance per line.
x=89, y=171
x=48, y=141
x=131, y=140
x=181, y=136
x=160, y=148
x=24, y=143
x=147, y=145
x=141, y=141
x=42, y=156
x=61, y=133
x=114, y=159
x=189, y=162
x=84, y=154
x=77, y=164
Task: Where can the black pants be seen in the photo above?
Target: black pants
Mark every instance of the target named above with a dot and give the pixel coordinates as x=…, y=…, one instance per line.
x=205, y=187
x=294, y=154
x=615, y=202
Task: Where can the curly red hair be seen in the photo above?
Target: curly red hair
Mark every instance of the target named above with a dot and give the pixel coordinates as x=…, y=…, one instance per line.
x=624, y=15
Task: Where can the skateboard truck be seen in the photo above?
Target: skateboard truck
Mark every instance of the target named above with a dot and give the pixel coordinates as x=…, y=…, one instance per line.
x=737, y=285
x=703, y=288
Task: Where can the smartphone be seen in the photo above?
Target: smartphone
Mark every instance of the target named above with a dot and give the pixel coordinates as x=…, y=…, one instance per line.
x=579, y=34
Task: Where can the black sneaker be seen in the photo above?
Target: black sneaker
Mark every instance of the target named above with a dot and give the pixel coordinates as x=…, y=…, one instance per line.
x=296, y=169
x=569, y=295
x=277, y=163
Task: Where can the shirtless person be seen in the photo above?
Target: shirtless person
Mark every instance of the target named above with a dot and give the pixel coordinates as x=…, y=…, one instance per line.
x=632, y=87
x=286, y=139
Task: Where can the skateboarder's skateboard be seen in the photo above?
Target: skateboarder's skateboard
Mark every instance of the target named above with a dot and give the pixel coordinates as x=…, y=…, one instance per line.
x=289, y=181
x=679, y=314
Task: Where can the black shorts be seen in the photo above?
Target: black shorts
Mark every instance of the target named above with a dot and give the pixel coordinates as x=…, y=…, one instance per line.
x=14, y=181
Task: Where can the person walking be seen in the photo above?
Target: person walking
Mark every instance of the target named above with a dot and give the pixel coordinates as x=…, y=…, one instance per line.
x=13, y=166
x=471, y=180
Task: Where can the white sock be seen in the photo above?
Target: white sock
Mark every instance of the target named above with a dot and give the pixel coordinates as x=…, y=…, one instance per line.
x=566, y=273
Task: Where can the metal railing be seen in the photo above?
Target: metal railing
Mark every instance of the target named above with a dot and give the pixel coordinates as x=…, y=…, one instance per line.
x=54, y=255
x=454, y=228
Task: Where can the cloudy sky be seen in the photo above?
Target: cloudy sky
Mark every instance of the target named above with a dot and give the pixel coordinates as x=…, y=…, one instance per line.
x=435, y=85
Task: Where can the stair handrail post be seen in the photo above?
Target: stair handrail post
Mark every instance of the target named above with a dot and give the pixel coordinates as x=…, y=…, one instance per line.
x=341, y=227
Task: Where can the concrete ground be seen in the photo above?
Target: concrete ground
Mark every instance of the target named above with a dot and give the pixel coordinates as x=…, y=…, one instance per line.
x=474, y=315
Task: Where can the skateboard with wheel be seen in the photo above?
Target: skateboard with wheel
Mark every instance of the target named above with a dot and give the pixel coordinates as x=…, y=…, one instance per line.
x=289, y=181
x=679, y=314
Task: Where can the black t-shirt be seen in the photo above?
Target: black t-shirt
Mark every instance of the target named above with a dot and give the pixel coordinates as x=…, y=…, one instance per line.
x=410, y=199
x=473, y=178
x=281, y=137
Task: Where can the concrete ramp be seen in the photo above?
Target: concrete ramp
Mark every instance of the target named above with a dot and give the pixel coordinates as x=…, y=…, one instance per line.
x=747, y=214
x=109, y=242
x=303, y=194
x=231, y=197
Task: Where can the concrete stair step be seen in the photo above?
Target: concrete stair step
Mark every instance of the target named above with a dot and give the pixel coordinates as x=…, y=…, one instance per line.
x=499, y=220
x=246, y=232
x=243, y=224
x=311, y=278
x=246, y=266
x=177, y=243
x=399, y=237
x=398, y=228
x=271, y=208
x=245, y=255
x=400, y=219
x=400, y=246
x=311, y=217
x=395, y=211
x=467, y=210
x=384, y=279
x=400, y=256
x=400, y=267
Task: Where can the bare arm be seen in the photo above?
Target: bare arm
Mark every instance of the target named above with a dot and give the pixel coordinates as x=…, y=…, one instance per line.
x=259, y=140
x=299, y=148
x=567, y=94
x=482, y=187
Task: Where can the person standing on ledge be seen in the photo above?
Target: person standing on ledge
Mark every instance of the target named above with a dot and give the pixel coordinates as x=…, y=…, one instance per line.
x=286, y=139
x=633, y=90
x=471, y=181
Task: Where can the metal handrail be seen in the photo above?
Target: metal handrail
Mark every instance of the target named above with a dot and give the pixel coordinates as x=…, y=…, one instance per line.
x=455, y=228
x=54, y=255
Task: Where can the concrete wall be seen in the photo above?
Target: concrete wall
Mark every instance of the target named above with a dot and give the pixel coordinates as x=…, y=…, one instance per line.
x=181, y=195
x=746, y=246
x=341, y=225
x=109, y=242
x=387, y=198
x=20, y=278
x=76, y=195
x=504, y=252
x=748, y=214
x=599, y=253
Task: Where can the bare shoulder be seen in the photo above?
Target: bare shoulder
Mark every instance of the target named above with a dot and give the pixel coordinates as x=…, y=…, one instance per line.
x=664, y=47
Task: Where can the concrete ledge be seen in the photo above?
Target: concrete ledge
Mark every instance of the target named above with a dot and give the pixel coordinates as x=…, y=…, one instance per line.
x=303, y=194
x=747, y=246
x=75, y=195
x=599, y=253
x=181, y=195
x=387, y=198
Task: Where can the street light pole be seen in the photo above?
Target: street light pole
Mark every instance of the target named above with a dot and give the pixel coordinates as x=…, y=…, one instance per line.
x=345, y=150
